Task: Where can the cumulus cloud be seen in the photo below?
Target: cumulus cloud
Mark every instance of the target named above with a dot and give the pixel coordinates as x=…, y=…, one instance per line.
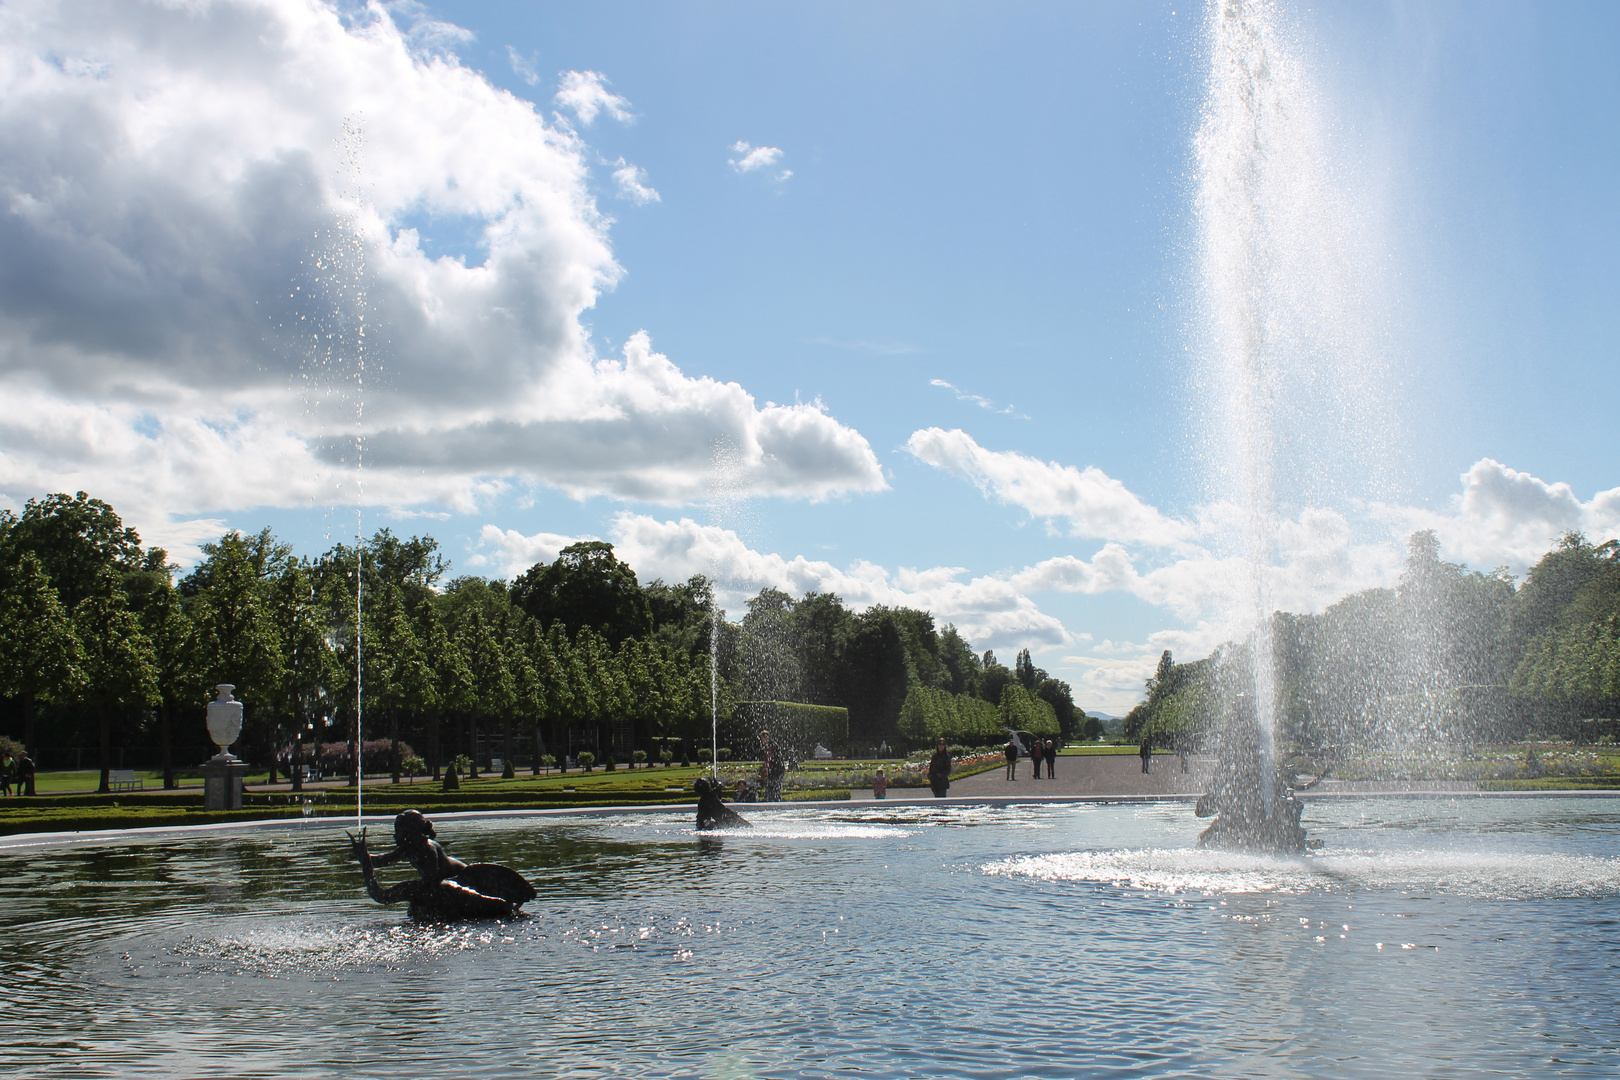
x=194, y=257
x=760, y=159
x=1094, y=503
x=1189, y=567
x=585, y=94
x=989, y=610
x=507, y=553
x=1504, y=517
x=632, y=183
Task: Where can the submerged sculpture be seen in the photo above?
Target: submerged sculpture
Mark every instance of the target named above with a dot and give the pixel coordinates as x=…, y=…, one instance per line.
x=447, y=889
x=711, y=812
x=1254, y=801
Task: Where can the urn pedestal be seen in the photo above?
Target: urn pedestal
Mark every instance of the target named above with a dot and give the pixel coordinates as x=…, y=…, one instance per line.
x=223, y=773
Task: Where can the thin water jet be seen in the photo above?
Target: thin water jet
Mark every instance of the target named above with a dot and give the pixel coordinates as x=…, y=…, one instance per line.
x=1286, y=359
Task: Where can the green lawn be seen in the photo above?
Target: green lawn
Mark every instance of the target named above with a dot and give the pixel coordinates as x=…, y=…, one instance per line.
x=70, y=803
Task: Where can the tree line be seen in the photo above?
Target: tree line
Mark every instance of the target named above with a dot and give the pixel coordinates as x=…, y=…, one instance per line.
x=104, y=642
x=1448, y=655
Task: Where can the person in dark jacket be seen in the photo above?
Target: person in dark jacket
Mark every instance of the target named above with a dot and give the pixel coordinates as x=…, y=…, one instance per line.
x=1035, y=755
x=1012, y=759
x=939, y=770
x=1146, y=750
x=1051, y=757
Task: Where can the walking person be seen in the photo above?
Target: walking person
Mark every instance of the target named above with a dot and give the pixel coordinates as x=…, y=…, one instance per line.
x=25, y=774
x=1012, y=759
x=1051, y=757
x=1035, y=755
x=1146, y=751
x=939, y=770
x=772, y=769
x=8, y=769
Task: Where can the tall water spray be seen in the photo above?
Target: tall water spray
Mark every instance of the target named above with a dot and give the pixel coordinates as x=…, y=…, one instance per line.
x=1290, y=378
x=725, y=500
x=334, y=373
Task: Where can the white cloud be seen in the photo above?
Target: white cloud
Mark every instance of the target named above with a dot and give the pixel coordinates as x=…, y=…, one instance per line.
x=1503, y=517
x=181, y=228
x=989, y=610
x=506, y=553
x=760, y=159
x=632, y=182
x=586, y=95
x=979, y=400
x=1191, y=569
x=1095, y=504
x=524, y=66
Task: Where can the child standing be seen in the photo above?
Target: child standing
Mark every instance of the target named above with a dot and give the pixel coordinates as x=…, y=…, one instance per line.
x=880, y=786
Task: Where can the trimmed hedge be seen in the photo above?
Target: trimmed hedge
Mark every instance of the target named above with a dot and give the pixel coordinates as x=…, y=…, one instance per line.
x=929, y=714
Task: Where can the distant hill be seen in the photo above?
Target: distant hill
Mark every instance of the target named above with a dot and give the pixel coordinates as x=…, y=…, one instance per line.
x=1104, y=716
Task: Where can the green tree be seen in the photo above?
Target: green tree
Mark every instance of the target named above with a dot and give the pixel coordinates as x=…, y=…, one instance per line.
x=75, y=539
x=41, y=657
x=586, y=587
x=494, y=692
x=235, y=636
x=398, y=676
x=169, y=628
x=120, y=672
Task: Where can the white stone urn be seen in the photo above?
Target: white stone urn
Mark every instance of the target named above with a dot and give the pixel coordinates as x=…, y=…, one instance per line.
x=224, y=718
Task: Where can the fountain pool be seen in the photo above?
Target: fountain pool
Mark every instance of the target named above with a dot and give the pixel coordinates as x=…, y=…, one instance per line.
x=1428, y=937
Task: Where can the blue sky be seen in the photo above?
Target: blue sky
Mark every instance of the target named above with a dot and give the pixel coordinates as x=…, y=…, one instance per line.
x=953, y=286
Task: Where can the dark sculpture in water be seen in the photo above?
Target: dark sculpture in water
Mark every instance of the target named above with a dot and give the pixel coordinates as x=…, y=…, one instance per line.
x=447, y=889
x=1254, y=802
x=711, y=812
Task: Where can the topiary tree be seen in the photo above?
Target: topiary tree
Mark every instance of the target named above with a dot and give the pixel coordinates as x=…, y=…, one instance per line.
x=638, y=758
x=586, y=759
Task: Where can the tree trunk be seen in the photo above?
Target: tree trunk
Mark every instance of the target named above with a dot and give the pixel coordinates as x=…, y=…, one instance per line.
x=433, y=745
x=506, y=741
x=28, y=725
x=297, y=775
x=472, y=727
x=166, y=743
x=106, y=752
x=393, y=740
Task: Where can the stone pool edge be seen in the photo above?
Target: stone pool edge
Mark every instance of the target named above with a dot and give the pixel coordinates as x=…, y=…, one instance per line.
x=102, y=836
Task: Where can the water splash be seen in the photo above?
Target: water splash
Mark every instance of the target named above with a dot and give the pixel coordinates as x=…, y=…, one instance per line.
x=1291, y=380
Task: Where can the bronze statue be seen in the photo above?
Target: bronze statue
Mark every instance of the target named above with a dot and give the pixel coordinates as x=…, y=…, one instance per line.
x=1252, y=797
x=711, y=812
x=447, y=889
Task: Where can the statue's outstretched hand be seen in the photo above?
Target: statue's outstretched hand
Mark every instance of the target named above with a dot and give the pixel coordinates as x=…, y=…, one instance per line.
x=357, y=844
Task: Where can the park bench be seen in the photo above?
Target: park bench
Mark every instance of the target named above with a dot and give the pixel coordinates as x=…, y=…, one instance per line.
x=124, y=780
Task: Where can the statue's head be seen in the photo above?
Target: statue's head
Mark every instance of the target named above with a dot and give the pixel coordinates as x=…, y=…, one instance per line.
x=412, y=825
